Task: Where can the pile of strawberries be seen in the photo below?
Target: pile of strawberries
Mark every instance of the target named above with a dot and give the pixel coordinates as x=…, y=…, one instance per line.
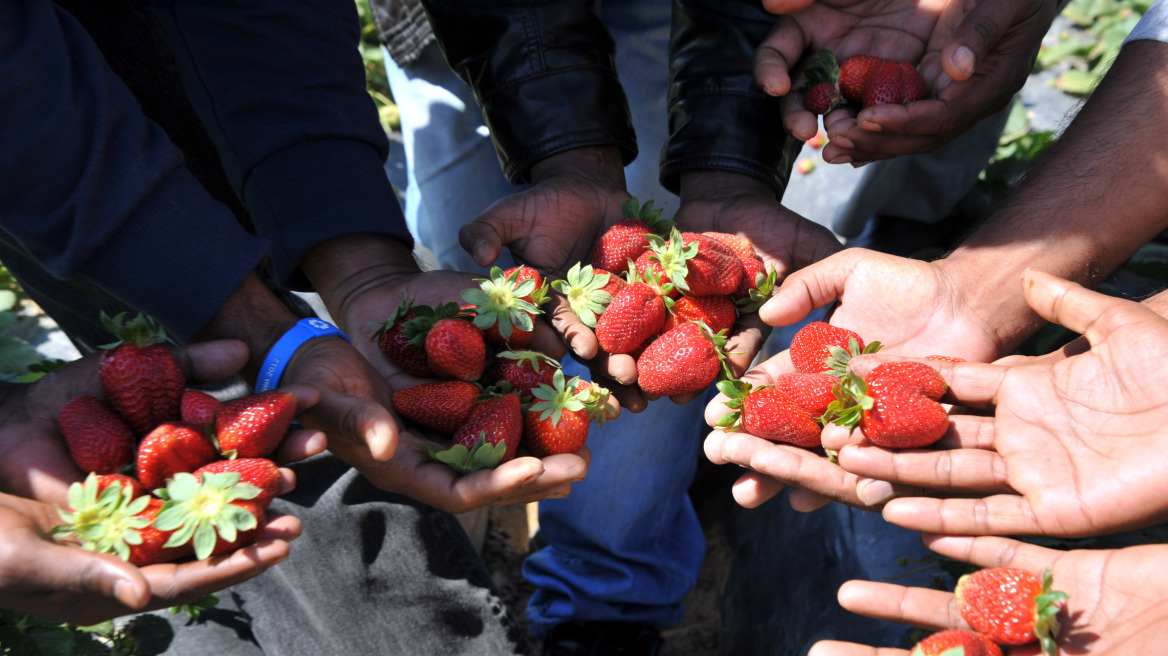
x=667, y=298
x=862, y=80
x=896, y=405
x=1005, y=606
x=494, y=395
x=198, y=482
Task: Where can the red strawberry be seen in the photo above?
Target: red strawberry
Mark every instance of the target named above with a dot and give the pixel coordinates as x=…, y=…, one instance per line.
x=636, y=313
x=151, y=548
x=200, y=408
x=812, y=392
x=757, y=284
x=852, y=74
x=912, y=84
x=595, y=400
x=956, y=642
x=625, y=240
x=396, y=345
x=1011, y=606
x=741, y=246
x=821, y=98
x=945, y=358
x=489, y=438
x=696, y=265
x=217, y=512
x=260, y=472
x=169, y=449
x=649, y=269
x=893, y=83
x=252, y=427
x=589, y=291
x=98, y=440
x=685, y=359
x=557, y=421
x=505, y=304
x=821, y=347
x=818, y=141
x=767, y=413
x=718, y=312
x=895, y=405
x=523, y=371
x=139, y=378
x=442, y=406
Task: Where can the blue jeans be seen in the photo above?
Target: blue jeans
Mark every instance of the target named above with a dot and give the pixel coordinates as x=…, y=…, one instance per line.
x=626, y=545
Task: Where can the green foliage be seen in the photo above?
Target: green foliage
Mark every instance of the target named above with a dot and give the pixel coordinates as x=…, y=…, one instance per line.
x=1106, y=23
x=376, y=81
x=1018, y=147
x=25, y=635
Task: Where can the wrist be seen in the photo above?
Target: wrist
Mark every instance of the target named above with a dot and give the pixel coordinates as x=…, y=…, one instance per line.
x=599, y=165
x=277, y=358
x=713, y=185
x=1005, y=318
x=340, y=269
x=253, y=315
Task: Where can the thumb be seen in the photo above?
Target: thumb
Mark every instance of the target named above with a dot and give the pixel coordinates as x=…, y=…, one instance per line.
x=992, y=551
x=978, y=33
x=85, y=573
x=497, y=226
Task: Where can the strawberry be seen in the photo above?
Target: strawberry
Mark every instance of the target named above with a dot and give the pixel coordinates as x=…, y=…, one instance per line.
x=895, y=405
x=650, y=269
x=208, y=511
x=818, y=141
x=98, y=440
x=741, y=246
x=595, y=400
x=945, y=358
x=767, y=413
x=812, y=392
x=260, y=472
x=757, y=284
x=892, y=83
x=626, y=239
x=199, y=408
x=695, y=264
x=442, y=406
x=821, y=98
x=252, y=427
x=139, y=378
x=636, y=314
x=115, y=519
x=956, y=642
x=454, y=346
x=505, y=304
x=684, y=359
x=912, y=84
x=489, y=438
x=523, y=371
x=821, y=347
x=557, y=421
x=852, y=74
x=120, y=480
x=171, y=448
x=805, y=166
x=718, y=312
x=589, y=291
x=1011, y=606
x=396, y=345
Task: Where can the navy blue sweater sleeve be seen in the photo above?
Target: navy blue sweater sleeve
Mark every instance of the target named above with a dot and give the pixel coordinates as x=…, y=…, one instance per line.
x=280, y=85
x=91, y=188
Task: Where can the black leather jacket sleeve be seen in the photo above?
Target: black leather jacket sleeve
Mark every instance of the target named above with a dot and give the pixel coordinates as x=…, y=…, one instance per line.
x=543, y=72
x=719, y=119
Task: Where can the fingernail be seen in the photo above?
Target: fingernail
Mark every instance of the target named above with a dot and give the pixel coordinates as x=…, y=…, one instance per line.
x=841, y=159
x=963, y=59
x=860, y=165
x=872, y=492
x=870, y=126
x=480, y=247
x=843, y=142
x=124, y=592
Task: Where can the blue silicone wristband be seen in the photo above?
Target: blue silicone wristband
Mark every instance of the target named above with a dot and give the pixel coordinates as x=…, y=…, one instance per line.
x=282, y=351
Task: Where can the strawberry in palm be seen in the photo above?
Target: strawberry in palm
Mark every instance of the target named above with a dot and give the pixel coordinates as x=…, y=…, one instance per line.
x=200, y=409
x=215, y=512
x=252, y=427
x=695, y=264
x=627, y=239
x=812, y=392
x=98, y=440
x=636, y=314
x=1011, y=606
x=956, y=642
x=489, y=438
x=505, y=304
x=757, y=285
x=717, y=312
x=171, y=448
x=895, y=405
x=821, y=347
x=443, y=406
x=139, y=378
x=742, y=246
x=768, y=413
x=397, y=346
x=685, y=359
x=557, y=421
x=523, y=371
x=454, y=346
x=260, y=472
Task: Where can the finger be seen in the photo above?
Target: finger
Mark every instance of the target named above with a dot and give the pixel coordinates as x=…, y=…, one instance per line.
x=806, y=470
x=811, y=287
x=82, y=575
x=980, y=30
x=801, y=123
x=752, y=489
x=838, y=648
x=482, y=239
x=836, y=437
x=300, y=445
x=775, y=58
x=1000, y=514
x=962, y=469
x=546, y=339
x=1083, y=311
x=208, y=362
x=803, y=501
x=579, y=337
x=354, y=420
x=920, y=607
x=992, y=551
x=747, y=339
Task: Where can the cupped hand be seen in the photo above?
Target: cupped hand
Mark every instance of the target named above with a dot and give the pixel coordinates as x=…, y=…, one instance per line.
x=1072, y=446
x=65, y=583
x=1117, y=599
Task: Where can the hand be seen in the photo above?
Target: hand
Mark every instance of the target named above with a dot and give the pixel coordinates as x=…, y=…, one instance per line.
x=972, y=59
x=911, y=307
x=36, y=462
x=361, y=281
x=575, y=196
x=1118, y=599
x=720, y=201
x=1072, y=447
x=67, y=584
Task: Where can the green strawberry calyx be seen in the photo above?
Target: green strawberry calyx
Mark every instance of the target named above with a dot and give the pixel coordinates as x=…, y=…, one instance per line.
x=584, y=289
x=463, y=460
x=552, y=400
x=823, y=67
x=735, y=392
x=1046, y=608
x=837, y=361
x=673, y=256
x=647, y=214
x=594, y=397
x=106, y=522
x=417, y=328
x=402, y=310
x=764, y=287
x=141, y=330
x=851, y=400
x=202, y=510
x=534, y=359
x=501, y=300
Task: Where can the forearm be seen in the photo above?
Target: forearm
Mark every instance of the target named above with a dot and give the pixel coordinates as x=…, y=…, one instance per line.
x=253, y=315
x=341, y=269
x=1097, y=195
